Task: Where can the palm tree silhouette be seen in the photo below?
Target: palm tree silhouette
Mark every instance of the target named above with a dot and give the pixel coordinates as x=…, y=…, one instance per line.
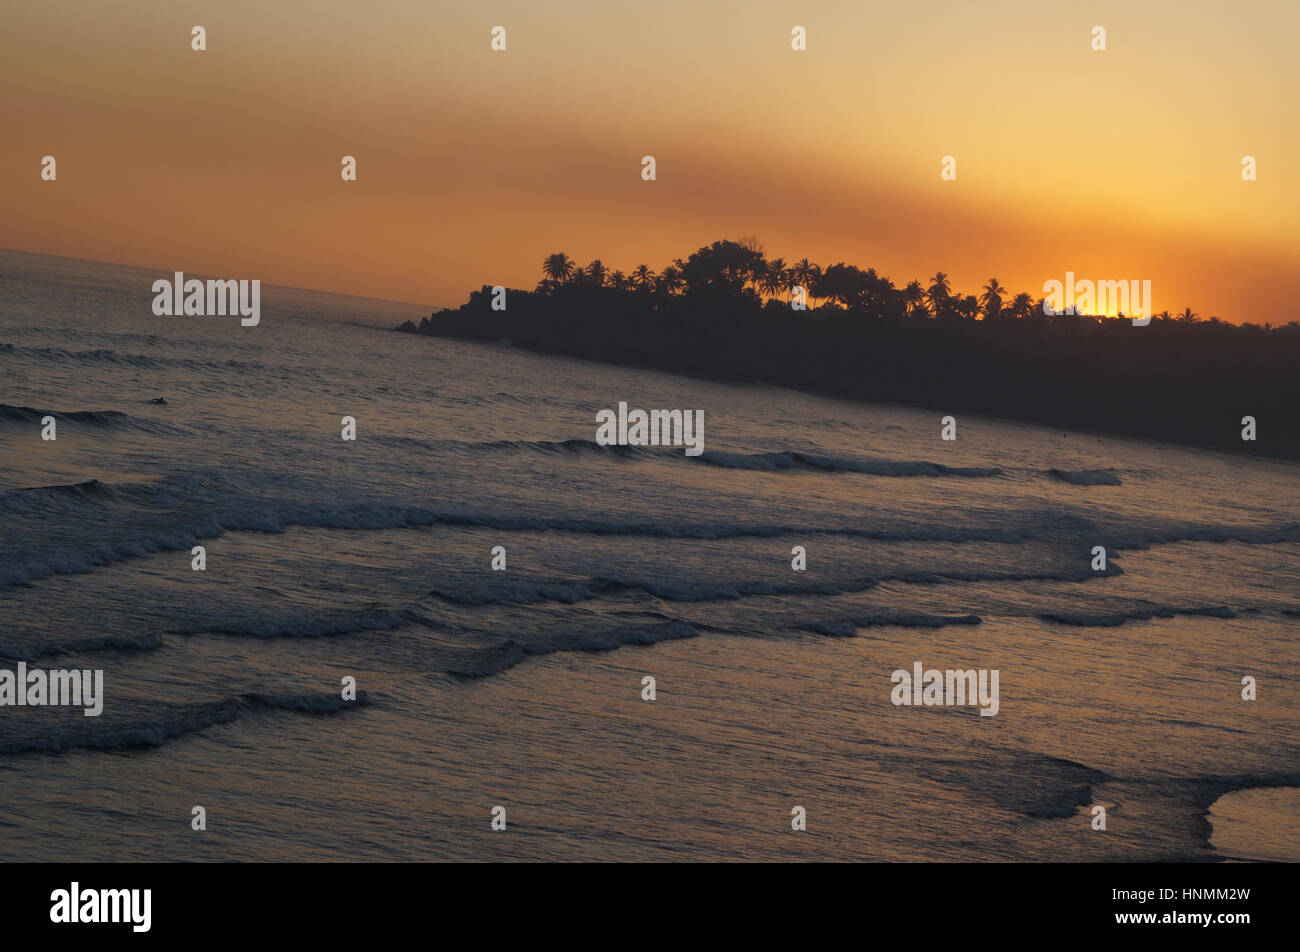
x=671, y=280
x=992, y=299
x=938, y=293
x=558, y=267
x=643, y=277
x=1022, y=306
x=806, y=274
x=788, y=282
x=914, y=298
x=774, y=279
x=864, y=291
x=801, y=273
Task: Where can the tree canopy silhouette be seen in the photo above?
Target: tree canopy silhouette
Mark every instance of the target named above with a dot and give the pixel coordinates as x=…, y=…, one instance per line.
x=725, y=313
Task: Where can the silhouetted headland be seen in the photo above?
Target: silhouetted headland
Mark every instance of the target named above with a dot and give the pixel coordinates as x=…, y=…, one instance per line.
x=724, y=314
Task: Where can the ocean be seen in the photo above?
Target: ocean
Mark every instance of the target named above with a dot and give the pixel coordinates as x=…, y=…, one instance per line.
x=372, y=559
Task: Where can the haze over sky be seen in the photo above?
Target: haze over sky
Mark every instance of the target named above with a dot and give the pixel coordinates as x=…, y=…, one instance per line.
x=473, y=165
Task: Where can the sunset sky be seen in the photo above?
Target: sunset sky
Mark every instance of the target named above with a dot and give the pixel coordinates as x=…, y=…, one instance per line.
x=473, y=164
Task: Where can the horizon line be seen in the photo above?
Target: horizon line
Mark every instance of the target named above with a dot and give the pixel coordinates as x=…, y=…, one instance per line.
x=284, y=287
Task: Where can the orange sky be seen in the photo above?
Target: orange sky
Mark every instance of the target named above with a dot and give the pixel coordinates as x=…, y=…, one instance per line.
x=473, y=165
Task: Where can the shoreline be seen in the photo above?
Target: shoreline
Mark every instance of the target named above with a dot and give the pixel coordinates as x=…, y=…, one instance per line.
x=1273, y=453
x=1245, y=824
